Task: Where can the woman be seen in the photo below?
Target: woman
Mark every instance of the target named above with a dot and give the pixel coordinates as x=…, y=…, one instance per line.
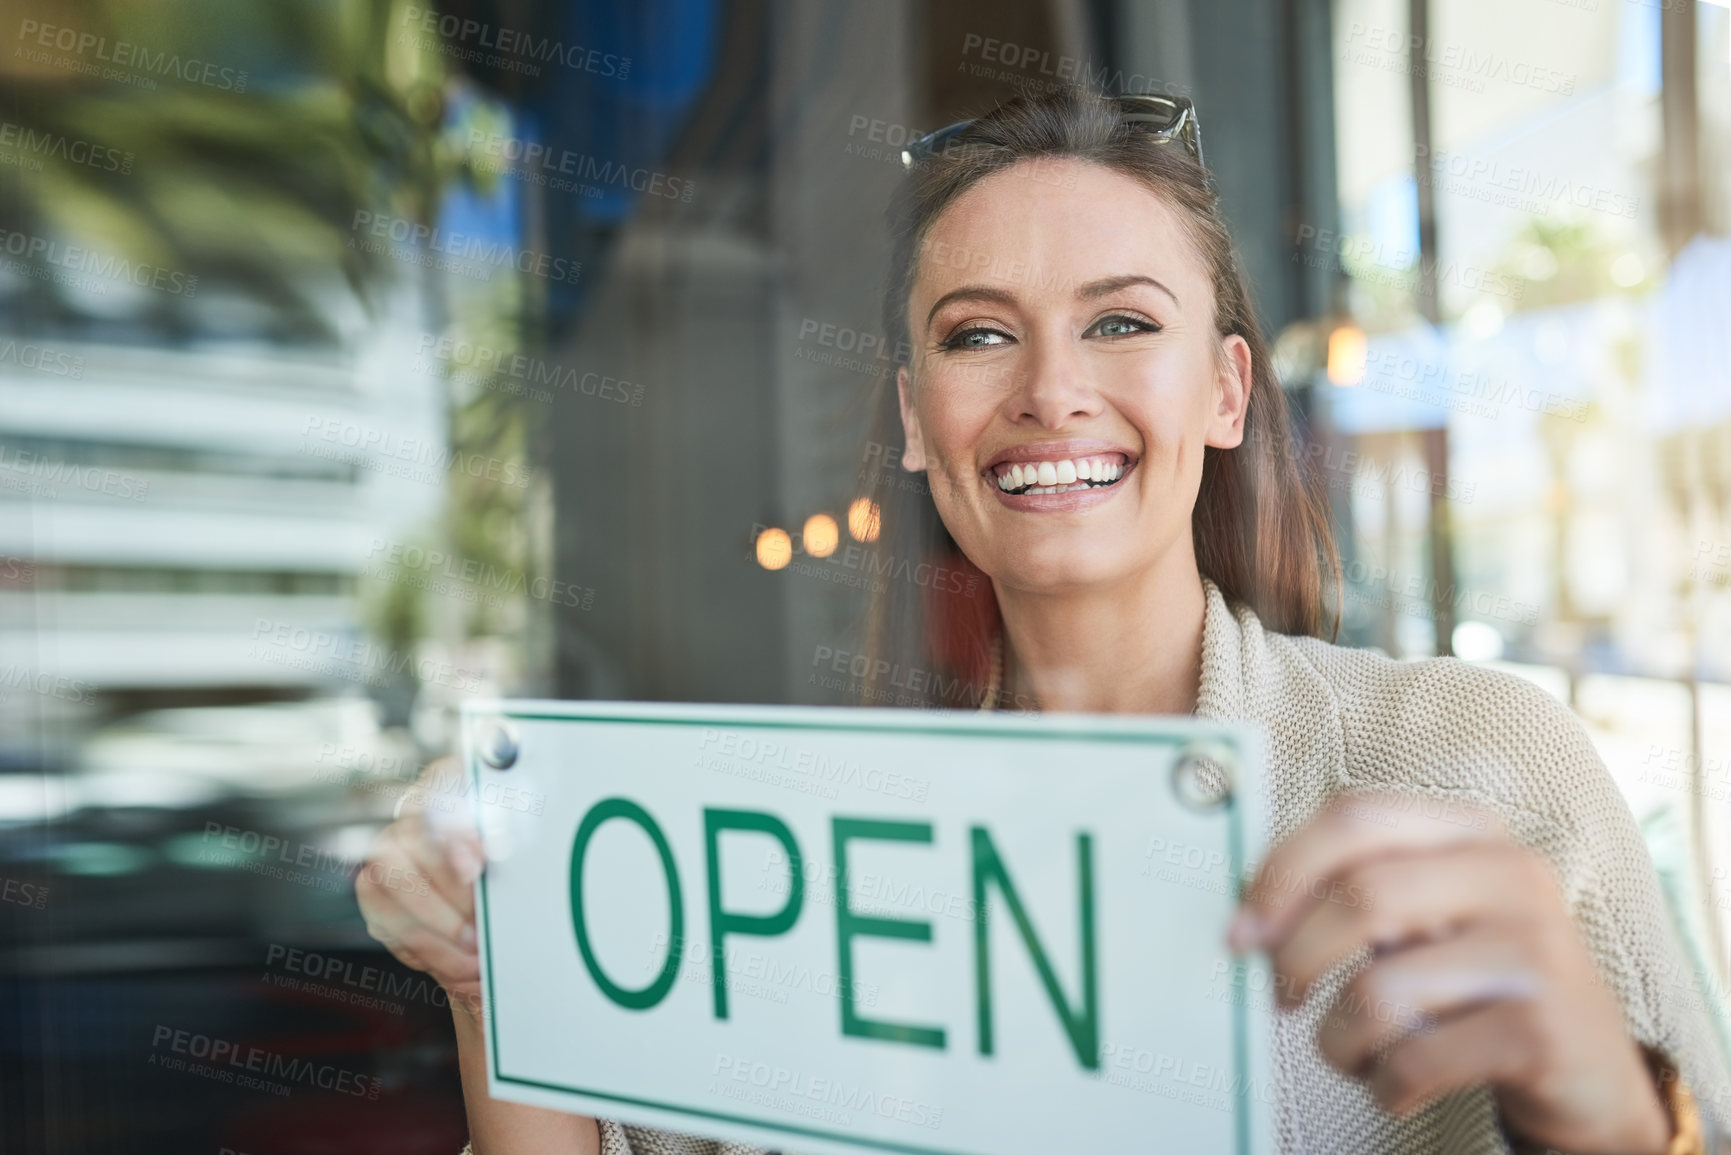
x=1092, y=405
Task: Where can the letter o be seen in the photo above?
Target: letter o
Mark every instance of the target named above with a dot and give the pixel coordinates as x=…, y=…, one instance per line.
x=639, y=1000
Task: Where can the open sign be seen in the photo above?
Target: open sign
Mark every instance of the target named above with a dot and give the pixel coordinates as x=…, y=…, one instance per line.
x=1003, y=919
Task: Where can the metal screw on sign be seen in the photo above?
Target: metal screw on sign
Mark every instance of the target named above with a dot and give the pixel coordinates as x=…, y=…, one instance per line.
x=1202, y=776
x=499, y=748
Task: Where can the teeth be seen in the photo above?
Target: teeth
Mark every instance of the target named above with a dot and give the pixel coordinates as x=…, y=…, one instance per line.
x=1059, y=476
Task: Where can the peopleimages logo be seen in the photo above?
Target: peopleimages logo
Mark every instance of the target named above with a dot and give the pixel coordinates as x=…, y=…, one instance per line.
x=14, y=677
x=28, y=894
x=482, y=363
x=319, y=651
x=509, y=42
x=543, y=165
x=826, y=1099
x=35, y=473
x=79, y=259
x=415, y=458
x=42, y=359
x=122, y=54
x=1364, y=259
x=366, y=986
x=1404, y=375
x=462, y=247
x=1026, y=66
x=230, y=1062
x=69, y=149
x=1516, y=186
x=1455, y=65
x=432, y=564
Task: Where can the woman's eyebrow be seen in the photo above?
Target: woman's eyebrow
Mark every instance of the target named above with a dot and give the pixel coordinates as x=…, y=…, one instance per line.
x=1085, y=292
x=972, y=293
x=1112, y=284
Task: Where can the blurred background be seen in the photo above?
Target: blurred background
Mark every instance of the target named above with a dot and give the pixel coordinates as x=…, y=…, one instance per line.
x=360, y=357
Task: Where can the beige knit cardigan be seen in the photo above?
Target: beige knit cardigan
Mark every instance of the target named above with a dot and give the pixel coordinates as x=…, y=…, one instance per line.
x=1340, y=719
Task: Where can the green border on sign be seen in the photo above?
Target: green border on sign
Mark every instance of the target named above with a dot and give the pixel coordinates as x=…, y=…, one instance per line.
x=1235, y=851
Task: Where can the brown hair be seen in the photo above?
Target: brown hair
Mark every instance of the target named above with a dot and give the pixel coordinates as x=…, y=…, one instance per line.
x=1260, y=526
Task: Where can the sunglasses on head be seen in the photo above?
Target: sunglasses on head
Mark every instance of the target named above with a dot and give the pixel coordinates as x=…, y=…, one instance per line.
x=1165, y=118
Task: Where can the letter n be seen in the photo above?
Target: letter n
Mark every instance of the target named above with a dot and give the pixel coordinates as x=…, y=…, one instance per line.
x=1081, y=1024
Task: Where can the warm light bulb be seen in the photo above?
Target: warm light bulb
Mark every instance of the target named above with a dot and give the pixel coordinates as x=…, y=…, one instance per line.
x=1347, y=348
x=820, y=535
x=864, y=519
x=774, y=548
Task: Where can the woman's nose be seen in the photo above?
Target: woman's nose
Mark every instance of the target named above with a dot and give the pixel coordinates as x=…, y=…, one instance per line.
x=1053, y=388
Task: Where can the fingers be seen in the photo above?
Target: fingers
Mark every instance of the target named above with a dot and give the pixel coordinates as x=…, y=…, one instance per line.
x=416, y=892
x=439, y=796
x=422, y=930
x=438, y=838
x=1391, y=902
x=449, y=860
x=1477, y=1047
x=445, y=960
x=439, y=771
x=442, y=831
x=1556, y=1085
x=1412, y=991
x=418, y=901
x=1478, y=973
x=1350, y=831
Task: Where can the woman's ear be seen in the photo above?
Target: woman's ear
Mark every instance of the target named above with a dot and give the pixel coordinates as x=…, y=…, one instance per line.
x=914, y=455
x=1231, y=394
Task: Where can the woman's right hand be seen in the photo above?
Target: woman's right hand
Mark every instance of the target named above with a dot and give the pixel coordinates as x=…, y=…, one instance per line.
x=417, y=892
x=416, y=888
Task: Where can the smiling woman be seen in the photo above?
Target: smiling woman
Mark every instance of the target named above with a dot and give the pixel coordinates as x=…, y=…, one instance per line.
x=1050, y=261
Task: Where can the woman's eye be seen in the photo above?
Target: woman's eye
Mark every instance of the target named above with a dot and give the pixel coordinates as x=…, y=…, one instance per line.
x=975, y=339
x=1122, y=326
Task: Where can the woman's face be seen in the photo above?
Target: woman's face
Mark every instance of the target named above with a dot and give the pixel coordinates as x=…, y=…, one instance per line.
x=1066, y=375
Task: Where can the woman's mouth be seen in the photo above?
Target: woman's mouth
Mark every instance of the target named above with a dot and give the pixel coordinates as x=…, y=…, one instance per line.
x=1067, y=475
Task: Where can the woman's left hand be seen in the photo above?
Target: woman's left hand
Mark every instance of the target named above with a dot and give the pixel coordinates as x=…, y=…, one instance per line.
x=1478, y=974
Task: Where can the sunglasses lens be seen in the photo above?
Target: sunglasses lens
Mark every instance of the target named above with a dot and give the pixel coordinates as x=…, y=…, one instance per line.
x=1156, y=113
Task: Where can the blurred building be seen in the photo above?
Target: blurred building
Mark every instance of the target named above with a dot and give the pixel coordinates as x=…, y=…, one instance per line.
x=181, y=518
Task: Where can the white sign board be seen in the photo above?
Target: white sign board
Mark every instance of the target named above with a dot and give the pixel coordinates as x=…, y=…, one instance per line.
x=834, y=930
